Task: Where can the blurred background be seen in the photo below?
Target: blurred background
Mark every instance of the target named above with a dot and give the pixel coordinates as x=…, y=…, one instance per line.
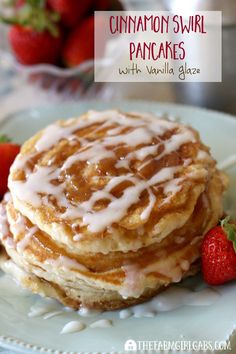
x=70, y=78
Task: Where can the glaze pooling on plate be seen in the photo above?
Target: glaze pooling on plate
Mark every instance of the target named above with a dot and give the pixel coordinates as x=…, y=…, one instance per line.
x=171, y=299
x=85, y=312
x=103, y=323
x=44, y=307
x=72, y=327
x=52, y=314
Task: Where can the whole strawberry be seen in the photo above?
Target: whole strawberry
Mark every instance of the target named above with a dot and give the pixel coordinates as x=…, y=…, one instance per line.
x=31, y=47
x=34, y=35
x=71, y=11
x=79, y=46
x=219, y=253
x=8, y=152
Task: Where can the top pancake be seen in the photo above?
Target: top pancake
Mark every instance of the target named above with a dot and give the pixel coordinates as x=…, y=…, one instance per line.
x=110, y=181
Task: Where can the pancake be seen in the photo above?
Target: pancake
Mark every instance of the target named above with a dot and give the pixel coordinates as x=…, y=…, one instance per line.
x=110, y=208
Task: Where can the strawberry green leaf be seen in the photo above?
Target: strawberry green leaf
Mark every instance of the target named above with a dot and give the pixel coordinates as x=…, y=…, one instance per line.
x=34, y=15
x=4, y=139
x=230, y=230
x=36, y=3
x=225, y=221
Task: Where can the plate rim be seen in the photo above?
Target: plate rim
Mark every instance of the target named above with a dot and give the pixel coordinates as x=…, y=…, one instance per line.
x=48, y=106
x=13, y=343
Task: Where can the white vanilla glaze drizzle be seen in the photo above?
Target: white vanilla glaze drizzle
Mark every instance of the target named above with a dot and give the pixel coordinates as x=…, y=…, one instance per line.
x=37, y=182
x=141, y=131
x=147, y=211
x=103, y=323
x=85, y=312
x=143, y=152
x=126, y=313
x=43, y=307
x=171, y=299
x=65, y=262
x=72, y=327
x=229, y=162
x=166, y=266
x=26, y=239
x=52, y=314
x=4, y=227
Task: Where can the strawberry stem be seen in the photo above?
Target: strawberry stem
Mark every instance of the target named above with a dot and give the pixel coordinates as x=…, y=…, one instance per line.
x=36, y=3
x=230, y=230
x=33, y=14
x=4, y=139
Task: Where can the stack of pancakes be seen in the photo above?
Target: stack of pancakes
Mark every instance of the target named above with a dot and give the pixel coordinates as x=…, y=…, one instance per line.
x=107, y=209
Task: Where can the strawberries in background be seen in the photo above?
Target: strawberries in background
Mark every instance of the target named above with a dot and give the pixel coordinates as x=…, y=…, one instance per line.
x=71, y=11
x=34, y=36
x=31, y=47
x=79, y=45
x=59, y=32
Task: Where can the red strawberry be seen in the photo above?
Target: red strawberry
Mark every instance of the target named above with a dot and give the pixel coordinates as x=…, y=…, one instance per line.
x=34, y=35
x=71, y=11
x=19, y=3
x=102, y=5
x=79, y=45
x=31, y=47
x=108, y=5
x=8, y=152
x=219, y=254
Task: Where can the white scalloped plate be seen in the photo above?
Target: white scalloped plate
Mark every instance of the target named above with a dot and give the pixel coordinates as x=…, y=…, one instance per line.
x=216, y=322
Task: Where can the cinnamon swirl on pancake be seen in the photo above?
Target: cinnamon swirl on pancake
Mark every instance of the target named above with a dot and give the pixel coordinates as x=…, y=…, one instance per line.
x=108, y=209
